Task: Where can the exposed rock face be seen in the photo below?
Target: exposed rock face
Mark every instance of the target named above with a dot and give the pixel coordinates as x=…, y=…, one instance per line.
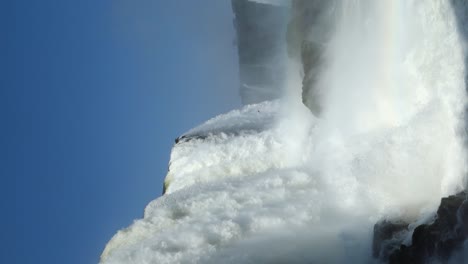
x=387, y=237
x=435, y=241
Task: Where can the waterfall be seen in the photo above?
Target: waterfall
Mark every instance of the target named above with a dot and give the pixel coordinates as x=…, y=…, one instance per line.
x=392, y=75
x=380, y=136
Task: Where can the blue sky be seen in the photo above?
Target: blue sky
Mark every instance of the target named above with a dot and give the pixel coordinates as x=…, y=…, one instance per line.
x=94, y=93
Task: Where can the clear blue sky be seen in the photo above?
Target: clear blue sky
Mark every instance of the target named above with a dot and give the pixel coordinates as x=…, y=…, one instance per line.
x=93, y=94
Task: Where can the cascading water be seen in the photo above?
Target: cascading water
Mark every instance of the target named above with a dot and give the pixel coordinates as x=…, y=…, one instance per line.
x=275, y=183
x=392, y=83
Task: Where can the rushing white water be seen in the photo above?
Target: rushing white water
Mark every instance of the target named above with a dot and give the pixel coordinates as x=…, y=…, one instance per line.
x=393, y=82
x=271, y=183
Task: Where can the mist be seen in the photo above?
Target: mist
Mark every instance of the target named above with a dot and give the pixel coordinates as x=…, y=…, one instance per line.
x=374, y=130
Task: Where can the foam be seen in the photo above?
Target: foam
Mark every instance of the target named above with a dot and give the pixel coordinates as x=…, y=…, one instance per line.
x=271, y=183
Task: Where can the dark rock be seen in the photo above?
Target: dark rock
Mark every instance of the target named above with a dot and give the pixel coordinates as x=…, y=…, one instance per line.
x=387, y=237
x=463, y=218
x=447, y=212
x=432, y=241
x=186, y=138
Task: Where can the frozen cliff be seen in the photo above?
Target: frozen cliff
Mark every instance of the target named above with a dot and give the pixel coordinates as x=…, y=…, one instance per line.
x=352, y=133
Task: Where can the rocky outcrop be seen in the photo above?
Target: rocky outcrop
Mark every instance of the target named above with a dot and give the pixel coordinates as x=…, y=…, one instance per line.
x=436, y=241
x=387, y=237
